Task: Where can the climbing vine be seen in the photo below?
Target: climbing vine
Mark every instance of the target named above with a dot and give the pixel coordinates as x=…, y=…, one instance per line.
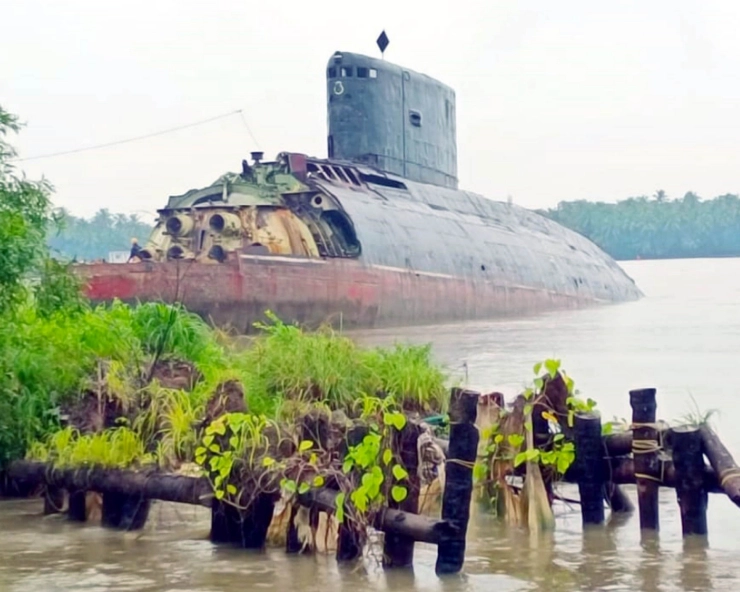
x=244, y=456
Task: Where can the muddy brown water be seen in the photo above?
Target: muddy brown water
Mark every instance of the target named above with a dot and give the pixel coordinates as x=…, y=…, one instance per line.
x=683, y=338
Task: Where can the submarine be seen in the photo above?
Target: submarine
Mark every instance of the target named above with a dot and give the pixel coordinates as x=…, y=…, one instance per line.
x=376, y=234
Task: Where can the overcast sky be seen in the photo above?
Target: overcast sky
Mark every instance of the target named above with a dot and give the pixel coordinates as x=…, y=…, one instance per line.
x=576, y=99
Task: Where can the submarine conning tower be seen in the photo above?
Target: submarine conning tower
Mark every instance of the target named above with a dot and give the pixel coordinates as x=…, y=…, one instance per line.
x=391, y=118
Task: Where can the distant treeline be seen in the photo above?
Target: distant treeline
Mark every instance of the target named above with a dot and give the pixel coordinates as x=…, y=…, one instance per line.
x=646, y=227
x=89, y=239
x=657, y=227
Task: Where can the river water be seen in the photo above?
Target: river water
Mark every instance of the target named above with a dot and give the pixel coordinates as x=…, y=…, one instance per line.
x=683, y=339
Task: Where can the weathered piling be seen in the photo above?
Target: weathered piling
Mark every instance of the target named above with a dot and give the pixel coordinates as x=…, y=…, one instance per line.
x=53, y=500
x=623, y=472
x=688, y=462
x=728, y=473
x=590, y=467
x=398, y=551
x=618, y=501
x=145, y=484
x=315, y=428
x=77, y=505
x=124, y=512
x=645, y=449
x=422, y=529
x=243, y=528
x=348, y=547
x=459, y=478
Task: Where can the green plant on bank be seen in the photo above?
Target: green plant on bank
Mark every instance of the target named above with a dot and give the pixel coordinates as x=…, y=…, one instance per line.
x=118, y=448
x=288, y=363
x=558, y=453
x=562, y=453
x=235, y=445
x=370, y=474
x=380, y=475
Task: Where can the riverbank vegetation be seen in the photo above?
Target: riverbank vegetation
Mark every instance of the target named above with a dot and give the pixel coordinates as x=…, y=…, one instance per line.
x=152, y=368
x=657, y=227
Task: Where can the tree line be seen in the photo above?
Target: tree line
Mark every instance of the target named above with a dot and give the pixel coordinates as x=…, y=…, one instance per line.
x=88, y=239
x=657, y=227
x=638, y=227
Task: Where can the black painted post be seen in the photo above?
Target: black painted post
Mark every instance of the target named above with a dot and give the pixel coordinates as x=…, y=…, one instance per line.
x=459, y=478
x=398, y=551
x=77, y=506
x=590, y=466
x=688, y=462
x=124, y=512
x=645, y=449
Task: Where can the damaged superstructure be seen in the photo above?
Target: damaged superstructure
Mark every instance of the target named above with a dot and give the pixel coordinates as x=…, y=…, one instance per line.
x=376, y=234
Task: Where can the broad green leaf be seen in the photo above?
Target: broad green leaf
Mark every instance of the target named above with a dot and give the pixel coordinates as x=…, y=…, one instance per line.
x=339, y=501
x=318, y=481
x=305, y=445
x=399, y=493
x=231, y=489
x=303, y=488
x=387, y=456
x=399, y=472
x=552, y=366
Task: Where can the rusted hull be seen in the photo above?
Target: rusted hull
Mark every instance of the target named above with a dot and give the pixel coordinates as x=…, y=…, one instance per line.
x=311, y=292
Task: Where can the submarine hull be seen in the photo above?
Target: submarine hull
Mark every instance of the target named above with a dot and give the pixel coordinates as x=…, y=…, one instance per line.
x=344, y=293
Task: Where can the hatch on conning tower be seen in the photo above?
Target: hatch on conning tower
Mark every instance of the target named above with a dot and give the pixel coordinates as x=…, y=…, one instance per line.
x=392, y=118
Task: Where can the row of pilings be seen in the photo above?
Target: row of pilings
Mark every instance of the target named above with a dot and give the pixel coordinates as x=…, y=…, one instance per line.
x=649, y=455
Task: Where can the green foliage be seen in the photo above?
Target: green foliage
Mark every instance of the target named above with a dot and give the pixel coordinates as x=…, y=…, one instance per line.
x=118, y=448
x=657, y=228
x=25, y=216
x=234, y=441
x=286, y=362
x=558, y=453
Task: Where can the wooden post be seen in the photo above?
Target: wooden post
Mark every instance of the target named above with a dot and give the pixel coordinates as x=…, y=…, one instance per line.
x=459, y=478
x=645, y=448
x=245, y=529
x=590, y=461
x=617, y=499
x=77, y=506
x=398, y=551
x=124, y=512
x=728, y=473
x=688, y=462
x=314, y=427
x=53, y=499
x=348, y=548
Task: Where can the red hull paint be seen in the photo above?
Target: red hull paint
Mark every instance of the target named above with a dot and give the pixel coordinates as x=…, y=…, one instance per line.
x=312, y=292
